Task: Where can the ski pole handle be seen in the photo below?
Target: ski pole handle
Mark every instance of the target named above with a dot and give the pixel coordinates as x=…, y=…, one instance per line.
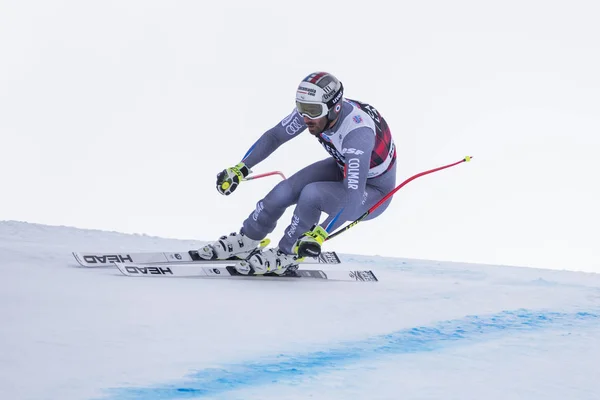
x=249, y=178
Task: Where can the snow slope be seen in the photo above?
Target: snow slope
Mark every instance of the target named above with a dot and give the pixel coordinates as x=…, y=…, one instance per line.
x=427, y=330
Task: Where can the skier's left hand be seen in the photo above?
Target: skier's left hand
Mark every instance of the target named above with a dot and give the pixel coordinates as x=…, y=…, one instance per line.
x=309, y=244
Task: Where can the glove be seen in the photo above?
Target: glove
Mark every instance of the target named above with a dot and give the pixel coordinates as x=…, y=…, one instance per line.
x=309, y=244
x=229, y=179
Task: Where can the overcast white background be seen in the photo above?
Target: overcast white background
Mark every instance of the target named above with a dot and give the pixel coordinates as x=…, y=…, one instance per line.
x=117, y=115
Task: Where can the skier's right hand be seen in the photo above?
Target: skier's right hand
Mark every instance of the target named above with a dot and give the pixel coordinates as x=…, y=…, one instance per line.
x=229, y=179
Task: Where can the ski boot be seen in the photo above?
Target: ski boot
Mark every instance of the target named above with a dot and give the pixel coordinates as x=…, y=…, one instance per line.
x=234, y=246
x=273, y=260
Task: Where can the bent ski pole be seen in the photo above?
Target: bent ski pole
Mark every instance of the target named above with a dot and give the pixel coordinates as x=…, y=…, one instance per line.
x=249, y=178
x=390, y=194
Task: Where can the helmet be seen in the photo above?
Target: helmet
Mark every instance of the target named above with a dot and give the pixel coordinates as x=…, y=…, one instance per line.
x=319, y=94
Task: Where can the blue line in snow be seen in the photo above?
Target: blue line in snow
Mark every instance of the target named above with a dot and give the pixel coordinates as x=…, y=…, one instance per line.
x=296, y=367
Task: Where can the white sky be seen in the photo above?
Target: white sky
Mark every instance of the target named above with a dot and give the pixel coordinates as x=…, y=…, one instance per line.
x=117, y=115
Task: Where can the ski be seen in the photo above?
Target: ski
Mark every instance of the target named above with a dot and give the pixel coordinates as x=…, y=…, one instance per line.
x=108, y=259
x=226, y=269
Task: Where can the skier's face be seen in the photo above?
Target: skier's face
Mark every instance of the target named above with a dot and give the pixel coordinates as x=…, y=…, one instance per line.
x=316, y=126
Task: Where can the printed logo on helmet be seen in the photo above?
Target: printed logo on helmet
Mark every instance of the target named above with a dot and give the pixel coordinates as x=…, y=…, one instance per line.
x=337, y=98
x=307, y=91
x=329, y=92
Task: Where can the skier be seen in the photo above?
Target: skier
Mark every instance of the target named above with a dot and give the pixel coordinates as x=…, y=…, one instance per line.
x=359, y=173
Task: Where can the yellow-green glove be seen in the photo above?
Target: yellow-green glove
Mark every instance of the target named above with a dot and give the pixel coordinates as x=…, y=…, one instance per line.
x=229, y=179
x=309, y=244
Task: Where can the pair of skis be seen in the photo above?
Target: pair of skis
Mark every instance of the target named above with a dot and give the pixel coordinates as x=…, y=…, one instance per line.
x=189, y=264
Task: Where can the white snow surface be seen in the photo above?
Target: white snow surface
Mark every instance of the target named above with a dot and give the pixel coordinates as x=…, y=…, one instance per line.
x=427, y=330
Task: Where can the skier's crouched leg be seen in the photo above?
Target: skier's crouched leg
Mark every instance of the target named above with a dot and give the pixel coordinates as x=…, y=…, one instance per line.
x=263, y=219
x=256, y=227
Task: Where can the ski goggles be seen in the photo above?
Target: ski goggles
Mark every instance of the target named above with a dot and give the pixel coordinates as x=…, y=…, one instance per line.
x=311, y=110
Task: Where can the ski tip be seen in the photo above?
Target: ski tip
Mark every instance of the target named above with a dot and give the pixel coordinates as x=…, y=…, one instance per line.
x=78, y=259
x=121, y=267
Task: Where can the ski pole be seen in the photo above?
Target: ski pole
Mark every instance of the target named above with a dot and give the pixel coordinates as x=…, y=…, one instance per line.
x=390, y=194
x=249, y=178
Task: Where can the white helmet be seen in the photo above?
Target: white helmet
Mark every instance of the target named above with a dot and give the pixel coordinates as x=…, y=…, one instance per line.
x=318, y=95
